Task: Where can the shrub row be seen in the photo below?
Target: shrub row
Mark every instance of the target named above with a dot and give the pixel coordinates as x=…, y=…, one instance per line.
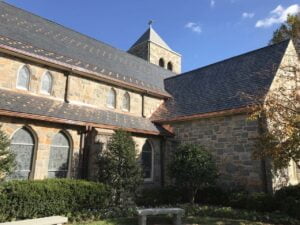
x=32, y=199
x=286, y=200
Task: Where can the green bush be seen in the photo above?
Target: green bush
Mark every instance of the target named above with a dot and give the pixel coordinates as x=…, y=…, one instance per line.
x=119, y=168
x=151, y=197
x=72, y=198
x=288, y=199
x=230, y=213
x=212, y=195
x=192, y=167
x=260, y=202
x=7, y=158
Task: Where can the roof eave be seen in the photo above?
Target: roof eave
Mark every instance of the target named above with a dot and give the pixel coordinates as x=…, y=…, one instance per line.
x=75, y=122
x=241, y=110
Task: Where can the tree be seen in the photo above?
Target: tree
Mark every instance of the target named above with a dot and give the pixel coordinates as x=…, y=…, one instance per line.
x=278, y=112
x=7, y=158
x=192, y=168
x=288, y=30
x=119, y=168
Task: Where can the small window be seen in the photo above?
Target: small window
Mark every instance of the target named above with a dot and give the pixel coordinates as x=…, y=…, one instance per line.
x=23, y=78
x=170, y=66
x=112, y=98
x=147, y=161
x=126, y=102
x=162, y=62
x=47, y=81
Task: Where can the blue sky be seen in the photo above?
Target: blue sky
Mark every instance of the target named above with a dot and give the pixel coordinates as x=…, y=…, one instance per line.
x=203, y=31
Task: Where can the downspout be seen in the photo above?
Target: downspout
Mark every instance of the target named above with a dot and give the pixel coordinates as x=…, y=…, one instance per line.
x=67, y=88
x=264, y=167
x=86, y=142
x=143, y=105
x=162, y=160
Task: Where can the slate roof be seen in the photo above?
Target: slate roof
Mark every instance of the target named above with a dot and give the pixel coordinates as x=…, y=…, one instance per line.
x=221, y=86
x=41, y=106
x=31, y=33
x=152, y=36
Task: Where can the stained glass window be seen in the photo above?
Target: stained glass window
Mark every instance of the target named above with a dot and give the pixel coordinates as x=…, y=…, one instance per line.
x=147, y=160
x=59, y=156
x=22, y=145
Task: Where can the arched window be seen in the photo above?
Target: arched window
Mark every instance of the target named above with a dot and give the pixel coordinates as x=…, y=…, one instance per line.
x=46, y=86
x=59, y=156
x=126, y=102
x=162, y=62
x=147, y=161
x=112, y=98
x=23, y=78
x=22, y=145
x=170, y=66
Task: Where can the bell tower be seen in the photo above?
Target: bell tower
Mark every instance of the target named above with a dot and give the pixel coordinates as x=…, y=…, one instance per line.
x=151, y=47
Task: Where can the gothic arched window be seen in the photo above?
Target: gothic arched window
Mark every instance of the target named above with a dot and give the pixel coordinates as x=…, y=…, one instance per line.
x=161, y=62
x=59, y=156
x=23, y=78
x=47, y=81
x=147, y=161
x=23, y=146
x=112, y=98
x=126, y=102
x=170, y=66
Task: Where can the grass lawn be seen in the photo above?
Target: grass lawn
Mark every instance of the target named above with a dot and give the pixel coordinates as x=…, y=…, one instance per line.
x=165, y=221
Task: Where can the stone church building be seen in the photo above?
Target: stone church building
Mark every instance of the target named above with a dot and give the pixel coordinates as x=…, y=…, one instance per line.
x=62, y=95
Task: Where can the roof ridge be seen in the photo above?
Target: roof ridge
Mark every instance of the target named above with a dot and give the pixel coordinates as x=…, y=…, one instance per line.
x=85, y=35
x=230, y=58
x=150, y=35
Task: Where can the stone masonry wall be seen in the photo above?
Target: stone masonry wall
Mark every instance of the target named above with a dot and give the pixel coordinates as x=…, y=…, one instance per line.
x=157, y=52
x=84, y=91
x=231, y=139
x=9, y=67
x=44, y=133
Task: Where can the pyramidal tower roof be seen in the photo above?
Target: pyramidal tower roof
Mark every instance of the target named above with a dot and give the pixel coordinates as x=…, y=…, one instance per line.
x=152, y=36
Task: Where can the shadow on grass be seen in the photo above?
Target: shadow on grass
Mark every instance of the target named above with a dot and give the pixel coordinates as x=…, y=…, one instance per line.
x=168, y=221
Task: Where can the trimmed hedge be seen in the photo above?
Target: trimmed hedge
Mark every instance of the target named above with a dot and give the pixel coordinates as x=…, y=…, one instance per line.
x=151, y=197
x=286, y=200
x=32, y=199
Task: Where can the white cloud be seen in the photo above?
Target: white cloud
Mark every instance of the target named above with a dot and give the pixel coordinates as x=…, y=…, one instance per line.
x=194, y=27
x=212, y=3
x=278, y=15
x=247, y=15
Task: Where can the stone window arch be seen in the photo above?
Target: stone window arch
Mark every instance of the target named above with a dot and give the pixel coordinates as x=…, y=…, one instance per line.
x=23, y=78
x=112, y=98
x=147, y=159
x=161, y=62
x=170, y=66
x=23, y=145
x=126, y=102
x=47, y=82
x=60, y=154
